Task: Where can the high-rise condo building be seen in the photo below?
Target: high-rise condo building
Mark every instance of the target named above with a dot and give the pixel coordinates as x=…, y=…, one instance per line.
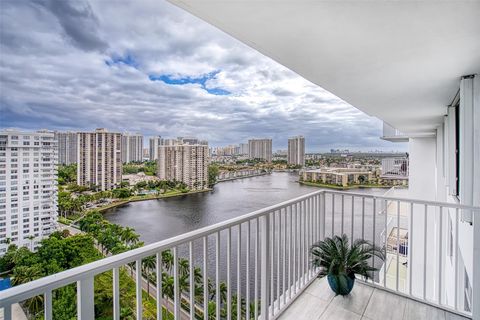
x=186, y=163
x=260, y=149
x=132, y=147
x=67, y=147
x=99, y=159
x=296, y=151
x=28, y=187
x=243, y=148
x=154, y=143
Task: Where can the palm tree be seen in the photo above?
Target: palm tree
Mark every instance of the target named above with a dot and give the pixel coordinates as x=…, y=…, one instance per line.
x=167, y=260
x=183, y=267
x=198, y=275
x=129, y=236
x=148, y=264
x=31, y=238
x=24, y=274
x=168, y=285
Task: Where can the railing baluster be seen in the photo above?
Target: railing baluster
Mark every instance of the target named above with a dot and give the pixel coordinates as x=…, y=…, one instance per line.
x=272, y=260
x=192, y=283
x=410, y=252
x=343, y=213
x=279, y=235
x=158, y=286
x=138, y=288
x=440, y=239
x=85, y=295
x=425, y=253
x=333, y=214
x=257, y=249
x=456, y=257
x=398, y=245
x=239, y=282
x=47, y=305
x=229, y=272
x=247, y=274
x=302, y=245
x=373, y=234
x=385, y=204
x=290, y=250
x=176, y=287
x=363, y=218
x=284, y=256
x=116, y=293
x=265, y=268
x=296, y=260
x=311, y=230
x=323, y=215
x=352, y=222
x=217, y=275
x=205, y=278
x=7, y=312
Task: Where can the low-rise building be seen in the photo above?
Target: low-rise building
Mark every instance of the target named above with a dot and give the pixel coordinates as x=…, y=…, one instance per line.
x=338, y=176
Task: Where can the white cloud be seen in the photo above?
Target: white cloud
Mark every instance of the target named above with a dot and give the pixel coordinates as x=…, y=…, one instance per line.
x=55, y=75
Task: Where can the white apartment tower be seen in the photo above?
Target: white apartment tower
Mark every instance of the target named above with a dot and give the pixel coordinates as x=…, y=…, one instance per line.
x=296, y=151
x=132, y=147
x=154, y=143
x=67, y=147
x=28, y=187
x=99, y=159
x=243, y=148
x=260, y=149
x=186, y=163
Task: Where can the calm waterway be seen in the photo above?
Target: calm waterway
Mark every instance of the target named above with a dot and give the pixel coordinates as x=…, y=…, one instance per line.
x=161, y=219
x=157, y=220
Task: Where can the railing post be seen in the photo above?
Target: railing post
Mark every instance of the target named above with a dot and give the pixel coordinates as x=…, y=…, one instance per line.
x=7, y=312
x=116, y=293
x=322, y=213
x=265, y=266
x=85, y=304
x=47, y=305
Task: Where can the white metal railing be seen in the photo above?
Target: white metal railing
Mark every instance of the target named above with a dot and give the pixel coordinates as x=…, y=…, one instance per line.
x=395, y=167
x=263, y=257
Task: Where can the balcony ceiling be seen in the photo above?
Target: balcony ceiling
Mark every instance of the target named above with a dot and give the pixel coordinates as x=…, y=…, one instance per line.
x=400, y=61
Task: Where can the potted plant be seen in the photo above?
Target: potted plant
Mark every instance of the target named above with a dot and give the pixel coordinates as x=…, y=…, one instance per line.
x=340, y=262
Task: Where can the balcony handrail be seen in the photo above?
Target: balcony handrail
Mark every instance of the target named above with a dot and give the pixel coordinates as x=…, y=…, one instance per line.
x=88, y=271
x=415, y=201
x=52, y=282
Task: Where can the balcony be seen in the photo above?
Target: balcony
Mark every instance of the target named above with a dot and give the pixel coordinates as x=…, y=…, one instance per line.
x=263, y=258
x=395, y=168
x=364, y=303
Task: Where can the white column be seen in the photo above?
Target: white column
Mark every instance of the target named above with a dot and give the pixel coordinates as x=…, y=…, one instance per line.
x=422, y=185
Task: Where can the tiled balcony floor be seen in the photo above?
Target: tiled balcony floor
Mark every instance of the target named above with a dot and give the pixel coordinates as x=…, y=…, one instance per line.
x=318, y=302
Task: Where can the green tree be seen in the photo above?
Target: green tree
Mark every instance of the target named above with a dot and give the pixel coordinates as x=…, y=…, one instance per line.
x=67, y=174
x=121, y=193
x=212, y=175
x=148, y=264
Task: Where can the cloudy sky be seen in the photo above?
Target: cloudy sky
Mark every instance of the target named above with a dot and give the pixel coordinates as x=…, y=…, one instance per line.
x=147, y=66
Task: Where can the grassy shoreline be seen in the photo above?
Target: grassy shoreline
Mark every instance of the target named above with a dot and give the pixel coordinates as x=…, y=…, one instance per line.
x=337, y=187
x=145, y=198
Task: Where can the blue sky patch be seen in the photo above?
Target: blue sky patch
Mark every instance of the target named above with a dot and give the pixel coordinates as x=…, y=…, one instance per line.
x=202, y=80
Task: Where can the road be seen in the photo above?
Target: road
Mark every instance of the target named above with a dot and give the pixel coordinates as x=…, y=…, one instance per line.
x=168, y=304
